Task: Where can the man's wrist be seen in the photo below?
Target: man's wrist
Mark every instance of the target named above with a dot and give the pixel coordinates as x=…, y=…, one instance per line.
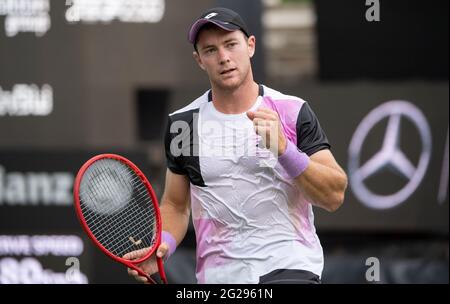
x=293, y=160
x=167, y=237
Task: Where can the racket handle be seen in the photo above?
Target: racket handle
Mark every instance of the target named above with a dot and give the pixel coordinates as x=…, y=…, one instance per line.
x=162, y=273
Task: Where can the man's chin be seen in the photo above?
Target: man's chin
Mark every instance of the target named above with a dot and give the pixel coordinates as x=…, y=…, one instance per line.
x=228, y=85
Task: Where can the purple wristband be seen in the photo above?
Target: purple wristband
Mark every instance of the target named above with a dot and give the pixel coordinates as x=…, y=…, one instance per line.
x=293, y=160
x=170, y=241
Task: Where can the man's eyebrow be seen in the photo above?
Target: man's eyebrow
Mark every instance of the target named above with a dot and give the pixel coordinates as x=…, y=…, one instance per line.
x=230, y=40
x=212, y=46
x=207, y=46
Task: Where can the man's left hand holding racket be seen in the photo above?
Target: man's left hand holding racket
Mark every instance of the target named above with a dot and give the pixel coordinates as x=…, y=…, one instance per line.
x=149, y=266
x=118, y=210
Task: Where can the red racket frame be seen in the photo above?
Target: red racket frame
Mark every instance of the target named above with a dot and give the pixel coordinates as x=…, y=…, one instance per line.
x=128, y=263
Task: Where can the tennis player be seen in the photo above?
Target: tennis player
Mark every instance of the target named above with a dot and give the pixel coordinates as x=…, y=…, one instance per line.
x=249, y=162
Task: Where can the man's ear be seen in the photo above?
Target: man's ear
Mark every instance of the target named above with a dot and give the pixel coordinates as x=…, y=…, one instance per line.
x=251, y=43
x=198, y=59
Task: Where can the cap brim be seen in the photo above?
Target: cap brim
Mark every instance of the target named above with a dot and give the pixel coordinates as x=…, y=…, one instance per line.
x=200, y=23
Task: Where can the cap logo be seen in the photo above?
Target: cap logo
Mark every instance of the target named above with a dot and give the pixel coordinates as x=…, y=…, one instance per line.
x=209, y=16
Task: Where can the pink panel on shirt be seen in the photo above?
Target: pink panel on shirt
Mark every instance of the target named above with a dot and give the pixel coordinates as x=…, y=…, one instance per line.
x=205, y=228
x=288, y=111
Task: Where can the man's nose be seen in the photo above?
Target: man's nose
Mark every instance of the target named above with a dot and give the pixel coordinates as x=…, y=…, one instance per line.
x=223, y=56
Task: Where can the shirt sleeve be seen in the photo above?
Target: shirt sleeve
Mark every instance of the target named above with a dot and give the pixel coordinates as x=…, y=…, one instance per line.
x=310, y=136
x=173, y=162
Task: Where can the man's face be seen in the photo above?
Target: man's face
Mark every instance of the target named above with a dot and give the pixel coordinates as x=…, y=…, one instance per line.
x=225, y=56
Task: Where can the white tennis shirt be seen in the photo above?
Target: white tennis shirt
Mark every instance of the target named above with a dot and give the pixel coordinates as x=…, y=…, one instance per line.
x=249, y=217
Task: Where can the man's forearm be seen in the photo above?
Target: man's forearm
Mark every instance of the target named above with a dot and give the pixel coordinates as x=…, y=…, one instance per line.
x=318, y=176
x=175, y=220
x=325, y=186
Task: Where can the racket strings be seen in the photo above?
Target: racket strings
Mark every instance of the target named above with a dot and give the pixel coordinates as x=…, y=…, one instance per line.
x=136, y=231
x=117, y=207
x=141, y=190
x=134, y=241
x=110, y=242
x=127, y=213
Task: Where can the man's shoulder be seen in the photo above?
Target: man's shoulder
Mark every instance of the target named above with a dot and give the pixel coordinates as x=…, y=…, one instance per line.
x=277, y=95
x=194, y=105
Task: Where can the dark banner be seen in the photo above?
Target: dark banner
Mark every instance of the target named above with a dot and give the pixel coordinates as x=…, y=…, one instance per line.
x=64, y=64
x=392, y=140
x=378, y=39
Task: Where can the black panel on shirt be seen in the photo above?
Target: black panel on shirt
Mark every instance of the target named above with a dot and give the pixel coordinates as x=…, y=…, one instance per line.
x=310, y=136
x=187, y=162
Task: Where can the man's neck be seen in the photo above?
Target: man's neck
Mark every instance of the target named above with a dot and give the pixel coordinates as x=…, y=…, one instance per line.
x=235, y=101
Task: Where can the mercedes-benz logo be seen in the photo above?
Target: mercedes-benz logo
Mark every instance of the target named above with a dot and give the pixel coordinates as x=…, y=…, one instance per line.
x=390, y=154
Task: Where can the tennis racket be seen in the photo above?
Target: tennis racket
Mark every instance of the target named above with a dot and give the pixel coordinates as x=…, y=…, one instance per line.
x=118, y=209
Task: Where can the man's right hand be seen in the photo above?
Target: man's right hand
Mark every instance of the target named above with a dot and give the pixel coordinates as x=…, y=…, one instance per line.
x=149, y=266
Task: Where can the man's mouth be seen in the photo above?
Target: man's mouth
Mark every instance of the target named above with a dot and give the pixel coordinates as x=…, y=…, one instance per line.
x=227, y=71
